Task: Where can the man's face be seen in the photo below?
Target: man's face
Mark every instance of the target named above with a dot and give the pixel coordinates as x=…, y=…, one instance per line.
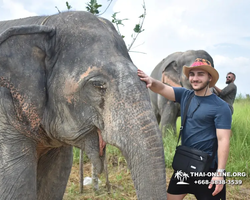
x=229, y=78
x=199, y=79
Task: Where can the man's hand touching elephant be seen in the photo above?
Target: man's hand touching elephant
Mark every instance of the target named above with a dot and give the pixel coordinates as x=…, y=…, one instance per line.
x=144, y=77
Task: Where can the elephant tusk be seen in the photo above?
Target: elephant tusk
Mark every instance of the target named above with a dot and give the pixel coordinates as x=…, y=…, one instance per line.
x=102, y=143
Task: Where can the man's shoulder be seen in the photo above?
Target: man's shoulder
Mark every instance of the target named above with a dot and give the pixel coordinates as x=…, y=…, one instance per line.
x=182, y=93
x=182, y=90
x=217, y=100
x=232, y=85
x=220, y=104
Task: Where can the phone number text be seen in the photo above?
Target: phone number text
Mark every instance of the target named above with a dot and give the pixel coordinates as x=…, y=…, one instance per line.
x=218, y=182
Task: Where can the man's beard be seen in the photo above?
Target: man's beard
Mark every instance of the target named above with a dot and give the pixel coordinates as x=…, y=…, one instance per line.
x=228, y=81
x=203, y=86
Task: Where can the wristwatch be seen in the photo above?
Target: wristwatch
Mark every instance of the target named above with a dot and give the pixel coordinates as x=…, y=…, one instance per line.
x=220, y=172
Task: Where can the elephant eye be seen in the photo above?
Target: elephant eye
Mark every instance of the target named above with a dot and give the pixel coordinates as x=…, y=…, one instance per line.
x=101, y=86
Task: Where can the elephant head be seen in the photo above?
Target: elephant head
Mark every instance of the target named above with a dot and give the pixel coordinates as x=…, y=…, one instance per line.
x=169, y=71
x=65, y=78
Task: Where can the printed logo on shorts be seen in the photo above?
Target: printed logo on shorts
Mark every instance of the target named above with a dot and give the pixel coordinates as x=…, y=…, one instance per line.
x=181, y=176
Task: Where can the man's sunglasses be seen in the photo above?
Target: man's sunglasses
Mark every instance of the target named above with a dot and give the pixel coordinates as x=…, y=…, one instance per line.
x=228, y=76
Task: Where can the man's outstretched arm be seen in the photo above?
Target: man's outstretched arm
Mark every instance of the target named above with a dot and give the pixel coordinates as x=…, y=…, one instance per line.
x=157, y=86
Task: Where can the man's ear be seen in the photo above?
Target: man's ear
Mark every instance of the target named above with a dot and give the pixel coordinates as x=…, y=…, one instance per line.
x=210, y=77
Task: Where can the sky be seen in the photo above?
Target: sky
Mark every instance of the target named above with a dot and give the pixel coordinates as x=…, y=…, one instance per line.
x=220, y=27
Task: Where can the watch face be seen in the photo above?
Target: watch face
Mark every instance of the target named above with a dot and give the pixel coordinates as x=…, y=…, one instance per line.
x=220, y=170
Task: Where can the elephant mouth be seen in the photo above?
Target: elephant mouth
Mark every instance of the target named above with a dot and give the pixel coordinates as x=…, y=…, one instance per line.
x=79, y=140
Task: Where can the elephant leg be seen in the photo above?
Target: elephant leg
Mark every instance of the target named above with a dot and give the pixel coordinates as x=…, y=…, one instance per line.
x=168, y=117
x=53, y=172
x=106, y=173
x=95, y=178
x=102, y=146
x=17, y=166
x=94, y=147
x=95, y=174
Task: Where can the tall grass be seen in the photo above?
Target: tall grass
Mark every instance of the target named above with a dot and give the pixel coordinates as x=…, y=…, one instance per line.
x=169, y=143
x=239, y=157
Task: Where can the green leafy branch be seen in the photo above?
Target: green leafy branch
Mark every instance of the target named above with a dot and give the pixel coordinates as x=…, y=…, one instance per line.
x=93, y=7
x=138, y=27
x=118, y=22
x=68, y=6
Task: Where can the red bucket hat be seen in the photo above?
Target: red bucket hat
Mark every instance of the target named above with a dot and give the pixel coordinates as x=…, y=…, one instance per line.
x=201, y=63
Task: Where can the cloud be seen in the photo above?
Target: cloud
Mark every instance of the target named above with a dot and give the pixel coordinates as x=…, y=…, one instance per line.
x=225, y=64
x=229, y=63
x=13, y=9
x=220, y=28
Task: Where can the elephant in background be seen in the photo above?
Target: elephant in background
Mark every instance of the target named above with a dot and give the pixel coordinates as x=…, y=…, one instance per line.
x=64, y=78
x=169, y=71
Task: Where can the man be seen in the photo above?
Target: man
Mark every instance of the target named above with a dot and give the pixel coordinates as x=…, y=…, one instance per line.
x=228, y=94
x=208, y=122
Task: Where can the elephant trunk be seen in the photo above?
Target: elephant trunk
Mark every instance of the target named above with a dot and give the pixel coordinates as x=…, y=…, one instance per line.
x=145, y=159
x=140, y=141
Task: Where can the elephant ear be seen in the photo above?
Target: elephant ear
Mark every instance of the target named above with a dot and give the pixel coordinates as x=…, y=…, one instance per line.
x=24, y=53
x=170, y=75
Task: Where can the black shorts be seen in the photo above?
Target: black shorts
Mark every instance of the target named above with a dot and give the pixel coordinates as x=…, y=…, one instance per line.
x=195, y=184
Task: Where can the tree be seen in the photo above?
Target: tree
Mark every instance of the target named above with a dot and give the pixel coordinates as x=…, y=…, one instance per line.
x=93, y=7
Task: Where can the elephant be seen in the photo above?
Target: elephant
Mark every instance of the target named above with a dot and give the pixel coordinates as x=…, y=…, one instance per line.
x=67, y=79
x=169, y=71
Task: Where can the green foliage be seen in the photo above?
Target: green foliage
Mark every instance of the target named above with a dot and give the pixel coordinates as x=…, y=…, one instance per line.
x=68, y=6
x=76, y=156
x=73, y=188
x=93, y=6
x=138, y=27
x=239, y=157
x=242, y=99
x=118, y=22
x=169, y=143
x=111, y=150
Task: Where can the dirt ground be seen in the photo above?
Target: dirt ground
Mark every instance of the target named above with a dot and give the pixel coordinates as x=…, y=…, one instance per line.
x=240, y=192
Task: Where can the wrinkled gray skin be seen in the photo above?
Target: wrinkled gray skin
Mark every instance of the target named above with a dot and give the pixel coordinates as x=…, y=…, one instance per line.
x=170, y=68
x=61, y=82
